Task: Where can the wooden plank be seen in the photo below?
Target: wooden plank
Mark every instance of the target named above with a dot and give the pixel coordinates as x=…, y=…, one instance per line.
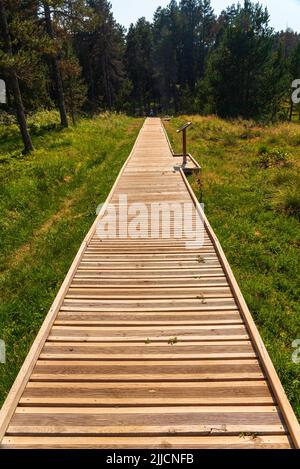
x=172, y=284
x=175, y=370
x=148, y=265
x=145, y=293
x=158, y=420
x=118, y=333
x=141, y=442
x=150, y=274
x=148, y=319
x=199, y=304
x=155, y=245
x=143, y=351
x=147, y=394
x=156, y=258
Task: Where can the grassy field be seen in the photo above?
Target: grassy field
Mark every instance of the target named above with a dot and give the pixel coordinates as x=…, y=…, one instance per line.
x=250, y=186
x=48, y=201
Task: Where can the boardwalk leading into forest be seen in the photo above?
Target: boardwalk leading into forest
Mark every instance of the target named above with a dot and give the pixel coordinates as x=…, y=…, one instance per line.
x=148, y=344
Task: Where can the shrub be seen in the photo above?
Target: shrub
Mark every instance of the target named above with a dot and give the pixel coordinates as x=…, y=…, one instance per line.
x=43, y=121
x=7, y=119
x=263, y=149
x=273, y=158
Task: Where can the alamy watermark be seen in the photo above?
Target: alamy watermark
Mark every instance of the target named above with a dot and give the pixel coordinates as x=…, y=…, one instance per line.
x=2, y=92
x=296, y=93
x=156, y=220
x=2, y=351
x=296, y=353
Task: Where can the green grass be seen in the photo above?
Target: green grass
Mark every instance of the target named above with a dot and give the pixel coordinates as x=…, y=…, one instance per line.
x=48, y=201
x=254, y=209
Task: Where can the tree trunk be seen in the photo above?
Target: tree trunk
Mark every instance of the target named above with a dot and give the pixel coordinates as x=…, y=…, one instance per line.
x=73, y=116
x=56, y=71
x=14, y=82
x=72, y=109
x=291, y=110
x=28, y=147
x=106, y=83
x=92, y=88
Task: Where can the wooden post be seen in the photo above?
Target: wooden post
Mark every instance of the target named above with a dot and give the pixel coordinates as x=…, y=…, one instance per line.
x=183, y=129
x=184, y=152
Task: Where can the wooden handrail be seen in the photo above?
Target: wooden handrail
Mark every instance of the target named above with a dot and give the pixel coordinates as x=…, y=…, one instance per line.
x=183, y=129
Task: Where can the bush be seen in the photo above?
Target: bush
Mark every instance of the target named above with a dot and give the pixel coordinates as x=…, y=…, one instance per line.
x=263, y=149
x=7, y=119
x=43, y=121
x=273, y=158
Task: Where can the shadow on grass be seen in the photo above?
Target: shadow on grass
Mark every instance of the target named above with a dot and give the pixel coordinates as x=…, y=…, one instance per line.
x=12, y=146
x=57, y=145
x=40, y=131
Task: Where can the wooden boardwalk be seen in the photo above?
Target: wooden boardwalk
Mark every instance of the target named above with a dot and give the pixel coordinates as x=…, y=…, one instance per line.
x=148, y=344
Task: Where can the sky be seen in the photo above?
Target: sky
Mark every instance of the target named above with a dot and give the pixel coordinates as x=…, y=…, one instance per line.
x=283, y=13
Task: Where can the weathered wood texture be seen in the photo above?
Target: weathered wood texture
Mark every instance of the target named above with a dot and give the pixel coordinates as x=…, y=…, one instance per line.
x=148, y=344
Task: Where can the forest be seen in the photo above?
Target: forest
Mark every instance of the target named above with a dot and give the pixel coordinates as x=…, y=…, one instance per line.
x=73, y=56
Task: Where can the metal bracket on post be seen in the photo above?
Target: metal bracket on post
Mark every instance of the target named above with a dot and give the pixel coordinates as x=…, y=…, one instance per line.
x=183, y=129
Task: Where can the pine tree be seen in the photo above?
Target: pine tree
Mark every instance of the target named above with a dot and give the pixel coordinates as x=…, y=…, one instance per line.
x=100, y=48
x=75, y=89
x=189, y=20
x=277, y=85
x=294, y=68
x=30, y=43
x=166, y=46
x=183, y=37
x=139, y=63
x=55, y=62
x=237, y=68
